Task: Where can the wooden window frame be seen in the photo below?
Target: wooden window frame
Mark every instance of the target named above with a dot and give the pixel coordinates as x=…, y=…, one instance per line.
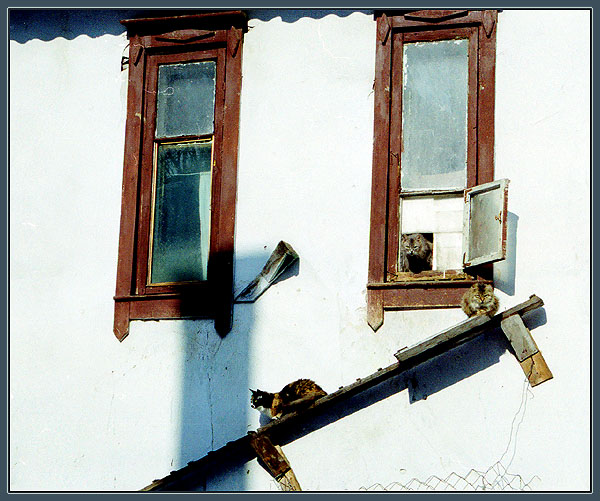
x=393, y=28
x=180, y=38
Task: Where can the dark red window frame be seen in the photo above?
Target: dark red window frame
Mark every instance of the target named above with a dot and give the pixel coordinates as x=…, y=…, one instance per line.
x=393, y=29
x=152, y=41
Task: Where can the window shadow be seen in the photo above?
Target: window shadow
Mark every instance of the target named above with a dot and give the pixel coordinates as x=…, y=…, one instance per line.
x=214, y=391
x=506, y=271
x=215, y=406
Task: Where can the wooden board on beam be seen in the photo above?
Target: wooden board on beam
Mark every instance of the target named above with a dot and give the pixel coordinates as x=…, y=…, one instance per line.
x=465, y=330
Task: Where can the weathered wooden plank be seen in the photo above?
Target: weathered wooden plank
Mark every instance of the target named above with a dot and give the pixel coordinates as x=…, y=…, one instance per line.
x=288, y=481
x=519, y=336
x=374, y=309
x=536, y=369
x=531, y=304
x=272, y=460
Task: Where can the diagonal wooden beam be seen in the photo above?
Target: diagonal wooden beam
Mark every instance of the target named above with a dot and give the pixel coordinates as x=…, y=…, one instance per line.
x=242, y=449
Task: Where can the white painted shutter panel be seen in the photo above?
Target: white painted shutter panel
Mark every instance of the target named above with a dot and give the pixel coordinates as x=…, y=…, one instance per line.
x=484, y=223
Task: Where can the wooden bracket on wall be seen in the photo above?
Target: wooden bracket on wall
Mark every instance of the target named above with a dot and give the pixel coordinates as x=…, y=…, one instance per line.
x=383, y=29
x=528, y=354
x=272, y=459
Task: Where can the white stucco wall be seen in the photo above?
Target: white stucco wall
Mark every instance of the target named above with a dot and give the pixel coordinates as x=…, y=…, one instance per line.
x=90, y=413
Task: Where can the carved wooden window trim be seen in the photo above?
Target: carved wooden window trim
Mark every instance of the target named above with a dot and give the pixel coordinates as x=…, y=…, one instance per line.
x=191, y=37
x=438, y=290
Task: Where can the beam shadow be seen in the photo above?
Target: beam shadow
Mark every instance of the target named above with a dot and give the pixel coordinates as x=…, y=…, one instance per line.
x=429, y=377
x=424, y=374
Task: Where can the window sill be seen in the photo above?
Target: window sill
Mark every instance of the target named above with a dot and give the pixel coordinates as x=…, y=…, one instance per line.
x=429, y=276
x=199, y=304
x=423, y=292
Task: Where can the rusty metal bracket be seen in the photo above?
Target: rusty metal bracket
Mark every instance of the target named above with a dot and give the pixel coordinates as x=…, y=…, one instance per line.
x=280, y=260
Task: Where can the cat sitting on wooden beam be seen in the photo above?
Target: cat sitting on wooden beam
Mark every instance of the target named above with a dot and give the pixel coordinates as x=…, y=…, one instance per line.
x=293, y=396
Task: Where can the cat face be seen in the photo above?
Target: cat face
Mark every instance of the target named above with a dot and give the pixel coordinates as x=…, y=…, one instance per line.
x=414, y=244
x=261, y=401
x=482, y=297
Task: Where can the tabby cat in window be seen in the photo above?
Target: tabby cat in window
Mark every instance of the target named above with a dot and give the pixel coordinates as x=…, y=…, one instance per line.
x=292, y=397
x=416, y=253
x=480, y=300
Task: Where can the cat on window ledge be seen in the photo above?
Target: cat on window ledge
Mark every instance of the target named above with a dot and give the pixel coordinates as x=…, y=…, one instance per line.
x=480, y=300
x=292, y=396
x=416, y=253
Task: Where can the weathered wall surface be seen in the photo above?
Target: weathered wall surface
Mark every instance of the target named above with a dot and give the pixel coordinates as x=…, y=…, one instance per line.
x=90, y=413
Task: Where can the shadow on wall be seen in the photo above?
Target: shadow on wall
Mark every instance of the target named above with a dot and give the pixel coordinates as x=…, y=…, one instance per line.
x=48, y=24
x=293, y=15
x=215, y=403
x=421, y=382
x=506, y=271
x=45, y=25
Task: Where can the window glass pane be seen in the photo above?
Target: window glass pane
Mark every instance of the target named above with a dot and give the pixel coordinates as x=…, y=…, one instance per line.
x=434, y=115
x=181, y=229
x=186, y=99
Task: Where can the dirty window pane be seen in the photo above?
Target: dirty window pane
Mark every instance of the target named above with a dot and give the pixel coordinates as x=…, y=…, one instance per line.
x=186, y=99
x=434, y=115
x=181, y=228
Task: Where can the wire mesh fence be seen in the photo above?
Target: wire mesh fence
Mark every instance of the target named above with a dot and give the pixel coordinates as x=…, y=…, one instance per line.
x=495, y=478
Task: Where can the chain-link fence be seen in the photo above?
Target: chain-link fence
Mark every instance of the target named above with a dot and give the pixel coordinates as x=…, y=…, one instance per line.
x=495, y=478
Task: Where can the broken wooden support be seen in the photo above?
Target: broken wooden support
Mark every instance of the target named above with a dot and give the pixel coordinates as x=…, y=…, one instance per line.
x=272, y=459
x=288, y=481
x=528, y=354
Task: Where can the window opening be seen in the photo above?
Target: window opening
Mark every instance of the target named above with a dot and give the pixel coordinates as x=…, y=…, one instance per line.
x=180, y=169
x=433, y=142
